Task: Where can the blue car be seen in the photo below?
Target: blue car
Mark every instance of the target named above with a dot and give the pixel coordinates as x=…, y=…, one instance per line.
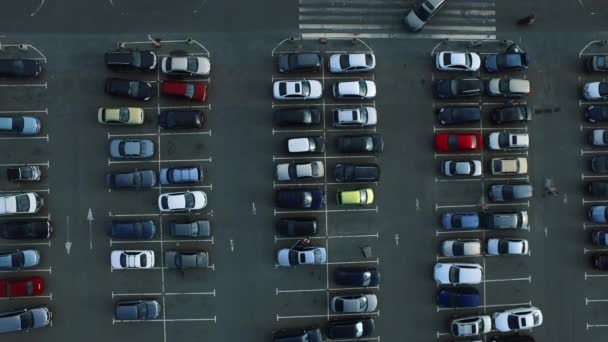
x=133, y=229
x=597, y=213
x=466, y=297
x=506, y=61
x=460, y=220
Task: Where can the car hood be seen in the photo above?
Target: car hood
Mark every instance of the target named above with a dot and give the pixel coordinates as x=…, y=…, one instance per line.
x=494, y=86
x=441, y=273
x=491, y=63
x=372, y=115
x=31, y=125
x=493, y=141
x=334, y=62
x=412, y=22
x=31, y=258
x=283, y=257
x=204, y=66
x=591, y=90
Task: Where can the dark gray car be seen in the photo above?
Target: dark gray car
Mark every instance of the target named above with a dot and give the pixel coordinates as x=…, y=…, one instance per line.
x=131, y=179
x=19, y=259
x=182, y=260
x=25, y=319
x=121, y=149
x=194, y=229
x=137, y=310
x=509, y=192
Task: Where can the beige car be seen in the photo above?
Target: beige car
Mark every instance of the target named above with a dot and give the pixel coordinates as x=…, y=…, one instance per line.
x=121, y=116
x=501, y=166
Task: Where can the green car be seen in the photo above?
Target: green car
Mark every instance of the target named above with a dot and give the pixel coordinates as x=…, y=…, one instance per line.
x=361, y=196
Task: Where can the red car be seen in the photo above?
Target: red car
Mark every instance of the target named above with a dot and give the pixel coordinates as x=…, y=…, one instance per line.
x=453, y=142
x=21, y=287
x=191, y=90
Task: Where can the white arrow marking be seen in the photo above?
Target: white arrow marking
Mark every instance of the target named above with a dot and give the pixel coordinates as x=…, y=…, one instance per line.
x=68, y=243
x=90, y=219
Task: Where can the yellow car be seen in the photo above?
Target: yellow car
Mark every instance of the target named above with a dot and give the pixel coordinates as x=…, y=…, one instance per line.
x=121, y=116
x=362, y=196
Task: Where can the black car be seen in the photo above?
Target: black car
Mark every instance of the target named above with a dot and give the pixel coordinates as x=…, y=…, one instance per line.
x=506, y=61
x=312, y=334
x=599, y=237
x=512, y=338
x=131, y=229
x=138, y=179
x=299, y=62
x=134, y=89
x=174, y=119
x=458, y=87
x=190, y=229
x=458, y=115
x=297, y=116
x=131, y=59
x=25, y=173
x=597, y=113
x=300, y=198
x=357, y=276
x=20, y=67
x=360, y=143
x=597, y=63
x=599, y=164
x=357, y=173
x=517, y=113
x=362, y=327
x=26, y=230
x=297, y=226
x=600, y=262
x=597, y=188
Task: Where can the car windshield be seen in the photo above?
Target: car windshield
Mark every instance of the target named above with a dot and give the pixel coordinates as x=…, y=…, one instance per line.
x=133, y=88
x=317, y=255
x=137, y=179
x=23, y=203
x=454, y=274
x=282, y=88
x=603, y=88
x=513, y=322
x=447, y=59
x=27, y=320
x=123, y=259
x=307, y=199
x=314, y=169
x=312, y=144
x=189, y=90
x=507, y=192
x=503, y=246
x=307, y=117
x=192, y=64
x=421, y=12
x=29, y=288
x=458, y=248
x=453, y=141
x=369, y=143
x=123, y=114
x=363, y=196
x=369, y=60
x=142, y=310
x=344, y=61
x=362, y=303
x=362, y=88
x=305, y=88
x=503, y=85
x=136, y=59
x=189, y=199
x=143, y=259
x=363, y=114
x=503, y=140
x=121, y=147
x=456, y=221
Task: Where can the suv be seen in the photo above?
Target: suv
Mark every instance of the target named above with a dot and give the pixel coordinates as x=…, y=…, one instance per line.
x=25, y=173
x=507, y=220
x=131, y=59
x=26, y=230
x=194, y=229
x=312, y=334
x=509, y=166
x=306, y=144
x=357, y=173
x=24, y=125
x=134, y=89
x=453, y=115
x=25, y=319
x=299, y=62
x=137, y=179
x=471, y=326
x=355, y=117
x=297, y=226
x=132, y=229
x=297, y=116
x=174, y=119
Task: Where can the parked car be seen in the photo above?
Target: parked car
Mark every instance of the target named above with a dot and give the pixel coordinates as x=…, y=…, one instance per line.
x=25, y=319
x=360, y=143
x=183, y=260
x=509, y=192
x=23, y=125
x=358, y=196
x=458, y=87
x=294, y=171
x=312, y=144
x=138, y=179
x=454, y=115
x=138, y=90
x=458, y=273
x=182, y=201
x=300, y=198
x=181, y=175
x=506, y=61
x=120, y=116
x=457, y=61
x=461, y=247
x=310, y=334
x=517, y=319
x=357, y=276
x=305, y=116
x=25, y=173
x=461, y=168
x=302, y=226
x=597, y=63
x=137, y=310
x=453, y=142
x=506, y=166
x=39, y=229
x=599, y=237
x=15, y=260
x=297, y=90
x=598, y=137
x=121, y=60
x=196, y=91
x=508, y=141
x=599, y=164
x=356, y=173
x=595, y=90
x=131, y=229
x=597, y=188
x=507, y=246
x=186, y=66
x=20, y=67
x=512, y=338
x=513, y=113
x=463, y=297
x=190, y=229
x=353, y=329
x=351, y=62
x=355, y=117
x=120, y=259
x=122, y=149
x=21, y=287
x=354, y=303
x=24, y=203
x=597, y=113
x=299, y=62
x=471, y=326
x=181, y=119
x=508, y=87
x=507, y=220
x=598, y=214
x=361, y=89
x=600, y=261
x=460, y=220
x=301, y=256
x=421, y=13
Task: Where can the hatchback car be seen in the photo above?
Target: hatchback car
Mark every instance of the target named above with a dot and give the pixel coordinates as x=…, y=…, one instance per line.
x=181, y=119
x=137, y=310
x=196, y=91
x=458, y=87
x=600, y=261
x=25, y=319
x=310, y=334
x=351, y=62
x=182, y=201
x=185, y=66
x=312, y=144
x=297, y=90
x=302, y=256
x=299, y=62
x=597, y=188
x=307, y=116
x=131, y=229
x=183, y=260
x=120, y=116
x=507, y=246
x=598, y=214
x=142, y=179
x=509, y=192
x=517, y=319
x=597, y=63
x=25, y=173
x=454, y=142
x=25, y=230
x=515, y=113
x=190, y=229
x=362, y=89
x=294, y=171
x=595, y=90
x=599, y=164
x=360, y=143
x=359, y=196
x=300, y=198
x=421, y=13
x=356, y=173
x=598, y=137
x=455, y=115
x=464, y=297
x=20, y=67
x=122, y=149
x=23, y=125
x=120, y=259
x=508, y=87
x=599, y=237
x=508, y=141
x=509, y=166
x=461, y=248
x=298, y=226
x=507, y=220
x=506, y=61
x=355, y=117
x=188, y=174
x=124, y=59
x=138, y=90
x=357, y=276
x=458, y=273
x=18, y=259
x=457, y=61
x=352, y=329
x=597, y=113
x=471, y=326
x=354, y=303
x=460, y=220
x=461, y=168
x=21, y=287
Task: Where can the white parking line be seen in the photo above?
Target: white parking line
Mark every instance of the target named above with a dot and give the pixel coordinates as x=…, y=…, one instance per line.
x=592, y=127
x=178, y=107
x=583, y=152
x=528, y=279
x=312, y=156
x=47, y=164
x=591, y=275
x=487, y=306
x=277, y=291
x=119, y=242
x=48, y=244
x=156, y=134
x=461, y=231
x=596, y=326
x=594, y=225
x=147, y=294
x=594, y=201
x=214, y=319
x=46, y=217
x=110, y=161
x=44, y=85
x=377, y=313
x=377, y=261
x=587, y=301
x=505, y=153
x=586, y=250
x=184, y=187
x=590, y=103
x=584, y=176
x=296, y=131
x=449, y=180
x=303, y=211
x=29, y=270
x=41, y=137
x=337, y=78
x=482, y=129
x=48, y=191
x=133, y=215
x=455, y=206
x=457, y=154
x=276, y=238
x=19, y=111
x=442, y=257
x=277, y=185
x=493, y=179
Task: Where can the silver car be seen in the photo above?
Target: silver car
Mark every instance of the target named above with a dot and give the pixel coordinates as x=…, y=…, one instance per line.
x=461, y=168
x=510, y=192
x=354, y=303
x=461, y=247
x=352, y=62
x=423, y=11
x=24, y=125
x=599, y=137
x=507, y=246
x=293, y=171
x=471, y=326
x=25, y=319
x=19, y=259
x=121, y=149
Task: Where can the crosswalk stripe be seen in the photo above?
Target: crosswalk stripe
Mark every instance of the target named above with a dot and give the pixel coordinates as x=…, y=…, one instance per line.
x=408, y=4
x=392, y=27
x=390, y=18
x=350, y=10
x=387, y=35
x=468, y=12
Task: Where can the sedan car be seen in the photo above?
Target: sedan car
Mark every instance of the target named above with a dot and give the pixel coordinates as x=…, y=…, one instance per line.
x=297, y=90
x=461, y=247
x=354, y=303
x=359, y=196
x=598, y=137
x=300, y=116
x=471, y=326
x=131, y=229
x=138, y=90
x=312, y=144
x=360, y=143
x=299, y=62
x=182, y=260
x=189, y=174
x=356, y=173
x=24, y=173
x=361, y=89
x=597, y=188
x=25, y=319
x=457, y=61
x=181, y=119
x=506, y=61
x=458, y=87
x=294, y=171
x=23, y=125
x=507, y=246
x=122, y=149
x=142, y=179
x=599, y=164
x=515, y=113
x=597, y=63
x=597, y=113
x=599, y=237
x=509, y=166
x=454, y=142
x=507, y=220
x=18, y=259
x=598, y=214
x=460, y=220
x=120, y=259
x=600, y=261
x=355, y=117
x=517, y=319
x=300, y=198
x=124, y=59
x=357, y=276
x=21, y=287
x=185, y=66
x=458, y=273
x=196, y=91
x=421, y=13
x=120, y=116
x=508, y=87
x=461, y=167
x=297, y=226
x=455, y=115
x=508, y=141
x=182, y=201
x=464, y=297
x=190, y=229
x=301, y=256
x=351, y=329
x=351, y=62
x=137, y=310
x=24, y=230
x=509, y=192
x=595, y=91
x=20, y=67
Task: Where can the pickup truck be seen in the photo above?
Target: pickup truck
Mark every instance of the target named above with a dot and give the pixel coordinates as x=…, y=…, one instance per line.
x=26, y=173
x=25, y=203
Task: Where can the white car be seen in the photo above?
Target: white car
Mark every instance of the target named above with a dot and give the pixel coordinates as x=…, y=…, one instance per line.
x=421, y=13
x=352, y=62
x=186, y=65
x=297, y=90
x=25, y=203
x=302, y=256
x=182, y=201
x=313, y=144
x=471, y=326
x=508, y=141
x=132, y=259
x=355, y=117
x=354, y=90
x=595, y=90
x=599, y=137
x=517, y=319
x=461, y=168
x=509, y=166
x=507, y=246
x=457, y=61
x=461, y=247
x=458, y=273
x=293, y=171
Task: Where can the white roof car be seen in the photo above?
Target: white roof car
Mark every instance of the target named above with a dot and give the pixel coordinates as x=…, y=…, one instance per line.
x=293, y=171
x=595, y=90
x=599, y=137
x=507, y=141
x=132, y=259
x=353, y=62
x=457, y=61
x=471, y=326
x=517, y=165
x=458, y=273
x=507, y=246
x=508, y=87
x=297, y=90
x=182, y=201
x=461, y=247
x=461, y=168
x=186, y=65
x=355, y=117
x=25, y=203
x=517, y=319
x=355, y=89
x=305, y=144
x=302, y=256
x=421, y=13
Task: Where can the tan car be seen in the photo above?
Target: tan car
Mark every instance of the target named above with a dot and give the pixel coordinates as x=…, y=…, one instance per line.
x=121, y=116
x=502, y=166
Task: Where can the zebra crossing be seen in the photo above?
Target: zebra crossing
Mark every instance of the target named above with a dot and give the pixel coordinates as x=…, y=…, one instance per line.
x=458, y=19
